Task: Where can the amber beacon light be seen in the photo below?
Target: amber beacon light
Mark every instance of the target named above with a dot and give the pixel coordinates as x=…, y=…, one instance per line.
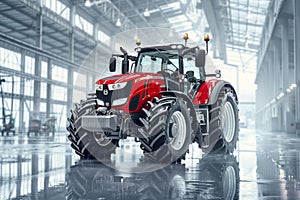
x=206, y=39
x=138, y=42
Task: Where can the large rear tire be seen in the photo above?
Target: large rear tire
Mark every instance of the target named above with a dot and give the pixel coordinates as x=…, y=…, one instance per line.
x=88, y=145
x=167, y=130
x=223, y=123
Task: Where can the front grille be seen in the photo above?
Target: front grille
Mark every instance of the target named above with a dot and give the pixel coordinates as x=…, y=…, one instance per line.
x=105, y=95
x=108, y=96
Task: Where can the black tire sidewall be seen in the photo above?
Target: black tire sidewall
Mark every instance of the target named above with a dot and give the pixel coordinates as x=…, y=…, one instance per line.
x=231, y=144
x=94, y=150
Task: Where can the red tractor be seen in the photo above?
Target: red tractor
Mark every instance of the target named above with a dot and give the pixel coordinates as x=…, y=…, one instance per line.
x=164, y=101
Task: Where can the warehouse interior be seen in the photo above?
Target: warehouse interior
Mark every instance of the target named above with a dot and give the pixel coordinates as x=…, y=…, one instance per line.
x=52, y=52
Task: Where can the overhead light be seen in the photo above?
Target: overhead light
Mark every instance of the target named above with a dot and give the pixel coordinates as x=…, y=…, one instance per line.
x=293, y=85
x=146, y=13
x=88, y=3
x=183, y=1
x=118, y=23
x=280, y=96
x=273, y=101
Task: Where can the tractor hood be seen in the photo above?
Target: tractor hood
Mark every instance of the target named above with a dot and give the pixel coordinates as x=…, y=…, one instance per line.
x=120, y=78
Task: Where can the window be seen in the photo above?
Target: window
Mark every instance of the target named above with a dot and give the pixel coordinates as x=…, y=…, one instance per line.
x=104, y=38
x=28, y=88
x=10, y=59
x=83, y=24
x=189, y=65
x=44, y=69
x=59, y=93
x=59, y=111
x=27, y=114
x=149, y=63
x=79, y=80
x=29, y=65
x=78, y=95
x=59, y=74
x=43, y=107
x=10, y=82
x=172, y=64
x=58, y=7
x=43, y=90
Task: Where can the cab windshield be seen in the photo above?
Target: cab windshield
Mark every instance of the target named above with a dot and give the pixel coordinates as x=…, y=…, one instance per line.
x=153, y=62
x=168, y=61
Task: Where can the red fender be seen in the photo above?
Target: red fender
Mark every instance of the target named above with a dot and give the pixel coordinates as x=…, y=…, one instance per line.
x=209, y=91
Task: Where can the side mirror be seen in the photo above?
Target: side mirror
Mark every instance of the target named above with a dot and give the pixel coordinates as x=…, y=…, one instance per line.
x=112, y=64
x=200, y=58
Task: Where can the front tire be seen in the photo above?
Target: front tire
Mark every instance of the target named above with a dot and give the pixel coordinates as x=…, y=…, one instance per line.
x=88, y=145
x=167, y=130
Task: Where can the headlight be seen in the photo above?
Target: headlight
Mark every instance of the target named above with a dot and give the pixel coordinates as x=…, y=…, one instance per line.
x=117, y=86
x=100, y=102
x=100, y=88
x=119, y=102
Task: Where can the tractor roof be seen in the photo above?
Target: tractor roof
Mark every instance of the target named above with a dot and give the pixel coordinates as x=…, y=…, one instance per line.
x=163, y=48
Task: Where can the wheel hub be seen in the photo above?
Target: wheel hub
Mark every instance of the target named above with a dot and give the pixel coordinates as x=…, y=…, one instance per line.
x=101, y=139
x=229, y=182
x=228, y=122
x=177, y=130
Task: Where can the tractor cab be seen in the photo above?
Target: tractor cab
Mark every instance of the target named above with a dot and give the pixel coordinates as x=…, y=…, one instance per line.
x=179, y=70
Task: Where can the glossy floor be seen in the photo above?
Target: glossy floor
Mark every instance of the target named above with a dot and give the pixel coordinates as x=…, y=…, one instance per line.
x=265, y=166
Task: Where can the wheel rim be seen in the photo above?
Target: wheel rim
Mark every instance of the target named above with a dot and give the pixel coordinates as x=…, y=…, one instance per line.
x=101, y=139
x=177, y=132
x=228, y=122
x=229, y=183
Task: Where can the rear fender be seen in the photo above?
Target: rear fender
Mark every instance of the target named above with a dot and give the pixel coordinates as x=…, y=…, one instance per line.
x=209, y=91
x=217, y=89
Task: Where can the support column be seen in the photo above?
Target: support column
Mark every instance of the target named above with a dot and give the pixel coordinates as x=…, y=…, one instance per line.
x=269, y=88
x=49, y=89
x=70, y=73
x=34, y=177
x=95, y=68
x=71, y=58
x=277, y=65
x=68, y=159
x=297, y=61
x=285, y=70
x=19, y=176
x=284, y=53
x=95, y=31
x=37, y=71
x=71, y=34
x=46, y=176
x=277, y=88
x=22, y=96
